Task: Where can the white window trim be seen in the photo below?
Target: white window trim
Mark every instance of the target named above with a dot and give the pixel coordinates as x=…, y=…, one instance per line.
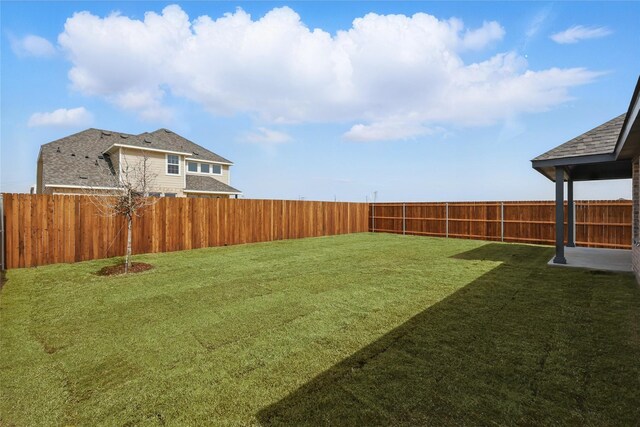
x=120, y=165
x=197, y=160
x=187, y=161
x=184, y=175
x=166, y=165
x=198, y=172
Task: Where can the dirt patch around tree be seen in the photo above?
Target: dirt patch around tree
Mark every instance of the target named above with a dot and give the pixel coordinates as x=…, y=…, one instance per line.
x=113, y=270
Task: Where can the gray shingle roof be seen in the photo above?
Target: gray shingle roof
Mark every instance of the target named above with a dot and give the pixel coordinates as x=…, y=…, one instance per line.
x=78, y=159
x=207, y=183
x=164, y=139
x=599, y=140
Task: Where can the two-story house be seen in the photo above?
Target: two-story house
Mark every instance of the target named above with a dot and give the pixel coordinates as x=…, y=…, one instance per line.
x=76, y=164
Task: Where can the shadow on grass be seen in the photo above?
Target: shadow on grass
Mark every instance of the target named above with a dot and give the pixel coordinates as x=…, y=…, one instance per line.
x=3, y=278
x=523, y=344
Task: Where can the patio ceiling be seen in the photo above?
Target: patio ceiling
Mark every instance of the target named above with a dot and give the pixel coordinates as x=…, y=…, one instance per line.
x=594, y=169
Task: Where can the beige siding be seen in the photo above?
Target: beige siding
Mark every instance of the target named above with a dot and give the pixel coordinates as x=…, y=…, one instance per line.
x=225, y=178
x=225, y=175
x=88, y=191
x=76, y=191
x=208, y=196
x=157, y=163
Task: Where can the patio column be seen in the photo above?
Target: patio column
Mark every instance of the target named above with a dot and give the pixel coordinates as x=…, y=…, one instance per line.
x=559, y=258
x=571, y=226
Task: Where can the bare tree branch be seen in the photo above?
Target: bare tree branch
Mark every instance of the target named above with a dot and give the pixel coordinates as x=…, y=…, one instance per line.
x=123, y=192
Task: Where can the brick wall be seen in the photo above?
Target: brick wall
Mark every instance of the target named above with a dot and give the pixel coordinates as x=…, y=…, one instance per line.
x=636, y=217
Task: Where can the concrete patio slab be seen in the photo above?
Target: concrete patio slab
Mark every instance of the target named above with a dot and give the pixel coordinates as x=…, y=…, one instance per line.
x=618, y=260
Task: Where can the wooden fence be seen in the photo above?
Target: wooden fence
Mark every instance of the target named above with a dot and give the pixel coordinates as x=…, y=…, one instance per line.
x=599, y=224
x=46, y=229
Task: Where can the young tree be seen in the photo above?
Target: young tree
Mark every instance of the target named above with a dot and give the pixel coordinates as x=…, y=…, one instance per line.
x=126, y=194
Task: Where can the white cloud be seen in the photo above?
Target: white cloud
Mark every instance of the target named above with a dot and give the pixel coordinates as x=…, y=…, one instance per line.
x=386, y=131
x=537, y=22
x=483, y=36
x=395, y=75
x=62, y=117
x=147, y=102
x=578, y=32
x=32, y=45
x=267, y=136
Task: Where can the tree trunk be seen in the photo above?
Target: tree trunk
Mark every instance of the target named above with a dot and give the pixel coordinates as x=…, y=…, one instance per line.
x=127, y=260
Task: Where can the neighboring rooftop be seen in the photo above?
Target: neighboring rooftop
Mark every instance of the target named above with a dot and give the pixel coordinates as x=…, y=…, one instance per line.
x=80, y=159
x=599, y=140
x=164, y=139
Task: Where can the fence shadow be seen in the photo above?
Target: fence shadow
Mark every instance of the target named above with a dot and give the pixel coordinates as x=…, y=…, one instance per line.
x=523, y=344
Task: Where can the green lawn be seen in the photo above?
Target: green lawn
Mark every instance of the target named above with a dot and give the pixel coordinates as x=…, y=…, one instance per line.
x=349, y=330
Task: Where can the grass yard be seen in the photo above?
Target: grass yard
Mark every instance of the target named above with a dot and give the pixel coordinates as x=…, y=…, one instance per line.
x=359, y=329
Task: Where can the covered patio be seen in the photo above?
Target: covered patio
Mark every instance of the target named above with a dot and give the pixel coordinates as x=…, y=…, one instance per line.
x=609, y=151
x=618, y=260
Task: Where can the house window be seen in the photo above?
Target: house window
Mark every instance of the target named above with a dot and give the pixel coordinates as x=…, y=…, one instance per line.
x=204, y=168
x=169, y=194
x=193, y=167
x=173, y=164
x=154, y=194
x=216, y=169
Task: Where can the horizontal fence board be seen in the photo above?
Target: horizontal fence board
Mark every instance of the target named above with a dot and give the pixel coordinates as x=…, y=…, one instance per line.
x=47, y=229
x=598, y=224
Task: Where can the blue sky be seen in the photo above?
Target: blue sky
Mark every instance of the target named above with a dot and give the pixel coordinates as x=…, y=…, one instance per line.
x=412, y=100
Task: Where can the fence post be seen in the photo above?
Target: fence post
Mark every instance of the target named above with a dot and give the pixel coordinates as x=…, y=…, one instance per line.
x=373, y=217
x=446, y=210
x=502, y=221
x=574, y=225
x=2, y=233
x=404, y=218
